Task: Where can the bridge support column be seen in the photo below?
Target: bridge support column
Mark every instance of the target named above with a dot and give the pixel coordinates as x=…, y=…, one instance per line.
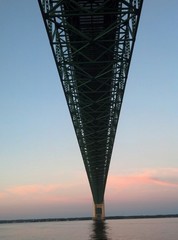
x=98, y=211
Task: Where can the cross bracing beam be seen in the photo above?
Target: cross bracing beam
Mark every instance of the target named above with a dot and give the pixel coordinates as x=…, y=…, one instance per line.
x=92, y=43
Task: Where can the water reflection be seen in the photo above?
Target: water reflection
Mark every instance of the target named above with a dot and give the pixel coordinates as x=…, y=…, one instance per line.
x=99, y=231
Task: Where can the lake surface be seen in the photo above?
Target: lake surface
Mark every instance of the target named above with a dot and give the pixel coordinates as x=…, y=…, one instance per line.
x=128, y=229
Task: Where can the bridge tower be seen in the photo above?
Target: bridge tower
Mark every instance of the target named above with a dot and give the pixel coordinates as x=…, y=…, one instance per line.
x=92, y=42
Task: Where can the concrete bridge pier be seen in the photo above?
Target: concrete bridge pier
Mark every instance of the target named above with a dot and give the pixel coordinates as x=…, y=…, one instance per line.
x=98, y=212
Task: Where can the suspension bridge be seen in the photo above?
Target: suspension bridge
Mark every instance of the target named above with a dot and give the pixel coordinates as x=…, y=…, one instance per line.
x=92, y=42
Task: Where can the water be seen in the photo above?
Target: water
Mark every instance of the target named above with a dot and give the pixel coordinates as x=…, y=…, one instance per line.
x=133, y=229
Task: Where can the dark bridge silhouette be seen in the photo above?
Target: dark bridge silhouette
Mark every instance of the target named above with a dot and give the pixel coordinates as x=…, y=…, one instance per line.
x=92, y=43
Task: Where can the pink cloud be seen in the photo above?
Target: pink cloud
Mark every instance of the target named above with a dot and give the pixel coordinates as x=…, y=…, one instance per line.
x=137, y=189
x=147, y=185
x=46, y=193
x=43, y=199
x=149, y=180
x=2, y=195
x=164, y=177
x=33, y=189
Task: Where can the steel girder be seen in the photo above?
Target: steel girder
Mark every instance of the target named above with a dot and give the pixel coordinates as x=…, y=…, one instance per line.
x=92, y=42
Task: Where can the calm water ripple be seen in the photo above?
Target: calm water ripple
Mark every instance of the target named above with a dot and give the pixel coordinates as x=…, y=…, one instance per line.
x=133, y=229
x=99, y=231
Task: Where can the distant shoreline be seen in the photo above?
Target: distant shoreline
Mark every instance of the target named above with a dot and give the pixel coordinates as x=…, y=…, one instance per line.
x=87, y=218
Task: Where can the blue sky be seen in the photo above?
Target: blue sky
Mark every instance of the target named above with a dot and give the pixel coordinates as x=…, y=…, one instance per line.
x=42, y=173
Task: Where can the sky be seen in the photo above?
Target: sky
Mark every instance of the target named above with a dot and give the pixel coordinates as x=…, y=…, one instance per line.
x=41, y=169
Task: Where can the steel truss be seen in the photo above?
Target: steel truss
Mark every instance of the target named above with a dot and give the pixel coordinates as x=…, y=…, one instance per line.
x=92, y=42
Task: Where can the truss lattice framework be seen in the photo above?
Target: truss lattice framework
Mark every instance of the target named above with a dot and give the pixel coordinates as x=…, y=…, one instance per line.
x=92, y=42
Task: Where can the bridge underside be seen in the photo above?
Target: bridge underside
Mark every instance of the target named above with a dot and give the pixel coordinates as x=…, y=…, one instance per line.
x=92, y=42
